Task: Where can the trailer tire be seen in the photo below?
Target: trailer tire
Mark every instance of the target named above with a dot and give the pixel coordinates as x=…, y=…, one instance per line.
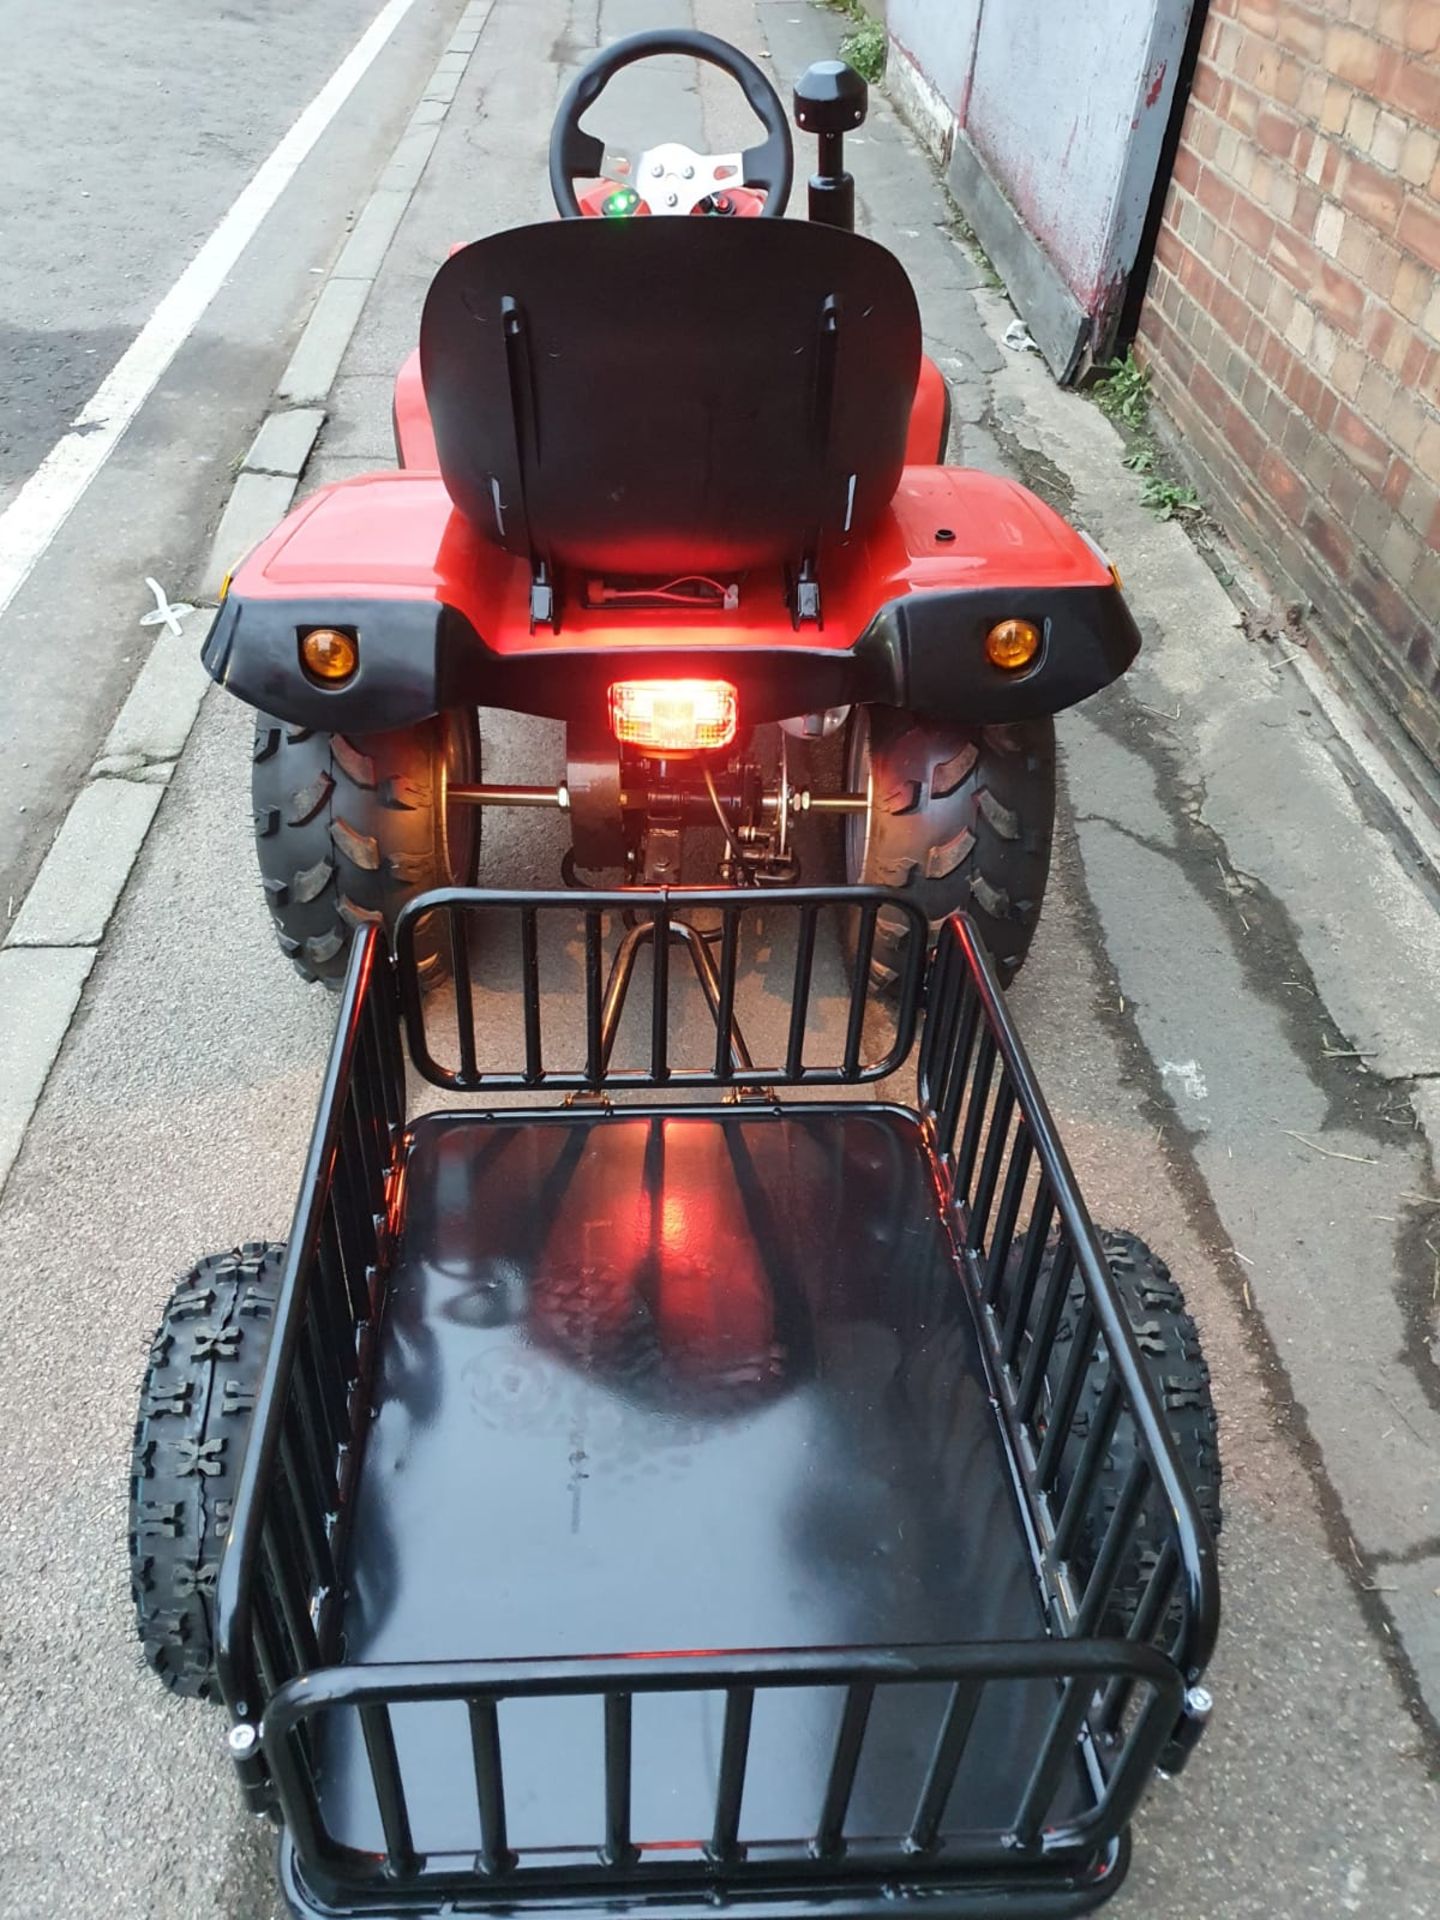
x=348, y=827
x=959, y=817
x=196, y=1403
x=1169, y=1344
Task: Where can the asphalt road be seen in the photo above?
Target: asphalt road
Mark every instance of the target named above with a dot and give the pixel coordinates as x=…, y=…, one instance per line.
x=1186, y=945
x=126, y=133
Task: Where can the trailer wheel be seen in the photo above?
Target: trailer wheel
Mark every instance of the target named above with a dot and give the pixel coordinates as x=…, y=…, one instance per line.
x=195, y=1409
x=961, y=817
x=349, y=827
x=1169, y=1344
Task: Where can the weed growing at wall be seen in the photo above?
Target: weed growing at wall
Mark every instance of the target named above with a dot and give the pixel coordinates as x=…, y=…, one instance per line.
x=866, y=46
x=1123, y=393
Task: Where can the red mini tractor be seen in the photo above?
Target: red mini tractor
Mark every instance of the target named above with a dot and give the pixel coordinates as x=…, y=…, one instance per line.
x=677, y=482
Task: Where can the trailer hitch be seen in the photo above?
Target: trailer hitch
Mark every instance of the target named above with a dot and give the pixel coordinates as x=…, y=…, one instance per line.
x=696, y=943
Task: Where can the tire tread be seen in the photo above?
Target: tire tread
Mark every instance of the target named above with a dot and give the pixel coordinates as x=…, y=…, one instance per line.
x=1170, y=1349
x=203, y=1372
x=964, y=819
x=346, y=831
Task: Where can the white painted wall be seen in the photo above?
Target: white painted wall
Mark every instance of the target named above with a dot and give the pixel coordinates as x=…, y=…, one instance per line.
x=1057, y=105
x=1064, y=103
x=938, y=37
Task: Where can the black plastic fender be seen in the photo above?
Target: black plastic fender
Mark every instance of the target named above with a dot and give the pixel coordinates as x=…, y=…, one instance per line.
x=923, y=651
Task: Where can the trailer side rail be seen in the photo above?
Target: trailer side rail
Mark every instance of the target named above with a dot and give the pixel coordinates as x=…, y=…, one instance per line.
x=616, y=1861
x=279, y=1582
x=1051, y=1322
x=664, y=922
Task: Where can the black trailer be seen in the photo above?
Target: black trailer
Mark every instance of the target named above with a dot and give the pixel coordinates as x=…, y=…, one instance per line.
x=632, y=1489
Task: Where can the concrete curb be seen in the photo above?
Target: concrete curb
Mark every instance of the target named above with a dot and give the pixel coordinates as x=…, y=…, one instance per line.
x=321, y=347
x=53, y=941
x=51, y=947
x=40, y=989
x=89, y=861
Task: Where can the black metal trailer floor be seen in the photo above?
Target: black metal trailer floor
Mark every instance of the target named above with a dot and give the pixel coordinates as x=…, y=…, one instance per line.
x=719, y=1386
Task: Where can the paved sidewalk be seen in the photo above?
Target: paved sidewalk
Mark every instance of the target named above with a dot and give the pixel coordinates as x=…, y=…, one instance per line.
x=1230, y=931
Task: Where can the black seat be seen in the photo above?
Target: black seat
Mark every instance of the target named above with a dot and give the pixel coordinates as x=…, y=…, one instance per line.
x=666, y=396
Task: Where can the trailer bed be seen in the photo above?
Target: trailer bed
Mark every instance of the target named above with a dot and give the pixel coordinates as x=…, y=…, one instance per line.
x=719, y=1384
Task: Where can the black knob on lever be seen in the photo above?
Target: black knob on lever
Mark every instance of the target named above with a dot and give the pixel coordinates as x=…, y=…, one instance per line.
x=831, y=100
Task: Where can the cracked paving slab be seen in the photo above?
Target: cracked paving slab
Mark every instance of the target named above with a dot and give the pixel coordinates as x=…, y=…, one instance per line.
x=1269, y=936
x=1287, y=809
x=1305, y=1193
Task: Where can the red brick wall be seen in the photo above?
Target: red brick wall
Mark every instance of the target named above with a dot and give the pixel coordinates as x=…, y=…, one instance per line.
x=1292, y=327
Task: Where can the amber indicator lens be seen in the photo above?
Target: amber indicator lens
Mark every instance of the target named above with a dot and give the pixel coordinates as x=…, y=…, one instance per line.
x=1012, y=644
x=329, y=655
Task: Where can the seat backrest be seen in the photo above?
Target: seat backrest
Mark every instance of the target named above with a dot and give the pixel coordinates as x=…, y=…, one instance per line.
x=653, y=396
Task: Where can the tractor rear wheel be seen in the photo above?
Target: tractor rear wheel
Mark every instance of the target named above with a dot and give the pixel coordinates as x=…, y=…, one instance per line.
x=348, y=827
x=959, y=817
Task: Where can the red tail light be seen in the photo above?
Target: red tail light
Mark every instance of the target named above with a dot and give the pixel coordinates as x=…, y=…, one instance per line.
x=673, y=716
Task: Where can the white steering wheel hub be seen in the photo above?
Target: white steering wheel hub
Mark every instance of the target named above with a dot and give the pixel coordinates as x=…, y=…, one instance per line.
x=673, y=179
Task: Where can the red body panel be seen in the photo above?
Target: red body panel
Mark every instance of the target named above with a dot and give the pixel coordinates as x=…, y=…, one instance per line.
x=904, y=606
x=397, y=536
x=414, y=435
x=929, y=417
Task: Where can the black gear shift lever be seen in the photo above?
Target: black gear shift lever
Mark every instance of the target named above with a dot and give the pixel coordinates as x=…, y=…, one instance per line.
x=830, y=101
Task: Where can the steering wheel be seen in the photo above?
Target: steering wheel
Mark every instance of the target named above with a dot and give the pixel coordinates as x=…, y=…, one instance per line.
x=672, y=179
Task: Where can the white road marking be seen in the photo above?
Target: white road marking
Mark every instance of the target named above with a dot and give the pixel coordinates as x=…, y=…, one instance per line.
x=166, y=613
x=50, y=495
